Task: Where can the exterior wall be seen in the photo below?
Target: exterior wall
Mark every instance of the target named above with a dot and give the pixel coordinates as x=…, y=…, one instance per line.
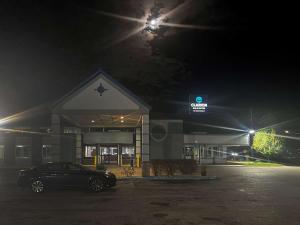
x=2, y=149
x=68, y=146
x=36, y=149
x=24, y=161
x=213, y=161
x=240, y=139
x=35, y=145
x=9, y=150
x=108, y=138
x=166, y=139
x=56, y=137
x=212, y=149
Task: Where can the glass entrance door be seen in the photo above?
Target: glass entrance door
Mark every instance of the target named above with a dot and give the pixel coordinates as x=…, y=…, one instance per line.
x=108, y=155
x=89, y=155
x=128, y=155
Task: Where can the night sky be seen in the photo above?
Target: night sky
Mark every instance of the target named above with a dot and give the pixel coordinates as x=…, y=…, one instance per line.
x=247, y=59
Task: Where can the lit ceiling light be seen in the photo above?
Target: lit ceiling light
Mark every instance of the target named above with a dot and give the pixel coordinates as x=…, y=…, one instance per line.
x=92, y=121
x=122, y=117
x=286, y=131
x=122, y=121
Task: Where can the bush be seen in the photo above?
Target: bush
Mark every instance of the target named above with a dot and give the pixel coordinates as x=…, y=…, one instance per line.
x=169, y=166
x=187, y=166
x=203, y=170
x=157, y=166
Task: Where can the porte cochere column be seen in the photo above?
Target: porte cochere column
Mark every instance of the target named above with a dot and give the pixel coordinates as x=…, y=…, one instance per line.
x=145, y=146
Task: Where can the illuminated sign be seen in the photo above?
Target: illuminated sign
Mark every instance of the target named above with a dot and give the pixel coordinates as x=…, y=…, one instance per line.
x=198, y=104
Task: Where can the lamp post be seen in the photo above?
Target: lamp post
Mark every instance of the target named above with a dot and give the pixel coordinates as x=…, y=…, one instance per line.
x=251, y=133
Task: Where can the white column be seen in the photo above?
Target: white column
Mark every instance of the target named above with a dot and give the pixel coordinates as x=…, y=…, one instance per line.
x=145, y=145
x=145, y=138
x=138, y=146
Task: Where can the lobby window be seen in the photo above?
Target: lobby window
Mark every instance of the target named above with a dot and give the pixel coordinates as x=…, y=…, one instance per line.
x=89, y=151
x=96, y=129
x=23, y=151
x=109, y=150
x=46, y=152
x=1, y=152
x=128, y=150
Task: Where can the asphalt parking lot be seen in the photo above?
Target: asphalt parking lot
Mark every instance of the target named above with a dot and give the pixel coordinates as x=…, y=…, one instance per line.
x=240, y=195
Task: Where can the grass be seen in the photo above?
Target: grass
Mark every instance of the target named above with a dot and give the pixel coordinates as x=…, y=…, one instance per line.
x=257, y=163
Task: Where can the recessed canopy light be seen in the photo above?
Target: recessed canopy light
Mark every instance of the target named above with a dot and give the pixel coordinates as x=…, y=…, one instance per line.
x=122, y=121
x=92, y=121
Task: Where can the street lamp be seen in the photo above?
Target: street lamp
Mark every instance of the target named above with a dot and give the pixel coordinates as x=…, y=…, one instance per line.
x=251, y=134
x=251, y=131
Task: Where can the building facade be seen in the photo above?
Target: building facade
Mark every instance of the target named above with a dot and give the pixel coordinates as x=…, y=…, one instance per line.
x=102, y=122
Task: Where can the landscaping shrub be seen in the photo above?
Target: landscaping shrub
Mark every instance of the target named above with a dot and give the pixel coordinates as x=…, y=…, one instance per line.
x=187, y=166
x=170, y=166
x=157, y=167
x=203, y=170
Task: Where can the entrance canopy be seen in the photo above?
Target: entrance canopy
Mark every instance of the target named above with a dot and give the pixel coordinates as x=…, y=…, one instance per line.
x=101, y=101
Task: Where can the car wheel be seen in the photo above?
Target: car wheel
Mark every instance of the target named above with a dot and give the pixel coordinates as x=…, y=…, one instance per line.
x=37, y=186
x=96, y=185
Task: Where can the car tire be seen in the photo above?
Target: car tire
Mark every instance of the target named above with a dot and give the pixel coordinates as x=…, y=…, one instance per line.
x=96, y=185
x=37, y=186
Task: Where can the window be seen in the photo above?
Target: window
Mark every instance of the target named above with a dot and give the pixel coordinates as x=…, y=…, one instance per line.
x=96, y=129
x=128, y=150
x=23, y=151
x=109, y=150
x=1, y=152
x=46, y=152
x=89, y=151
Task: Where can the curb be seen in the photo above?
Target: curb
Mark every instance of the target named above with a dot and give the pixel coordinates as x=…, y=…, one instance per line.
x=165, y=178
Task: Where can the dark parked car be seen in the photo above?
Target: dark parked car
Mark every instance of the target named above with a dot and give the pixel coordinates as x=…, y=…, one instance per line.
x=65, y=175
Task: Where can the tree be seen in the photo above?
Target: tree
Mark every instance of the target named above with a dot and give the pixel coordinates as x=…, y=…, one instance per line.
x=268, y=143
